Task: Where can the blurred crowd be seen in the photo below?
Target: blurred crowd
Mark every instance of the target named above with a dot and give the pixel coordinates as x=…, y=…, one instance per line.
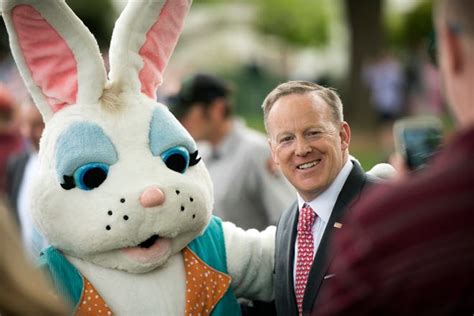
x=21, y=126
x=254, y=183
x=402, y=86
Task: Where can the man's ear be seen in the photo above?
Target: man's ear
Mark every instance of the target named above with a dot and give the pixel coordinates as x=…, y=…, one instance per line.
x=454, y=52
x=217, y=109
x=345, y=134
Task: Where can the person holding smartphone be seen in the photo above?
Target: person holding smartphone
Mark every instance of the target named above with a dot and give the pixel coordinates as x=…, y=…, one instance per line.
x=417, y=141
x=408, y=246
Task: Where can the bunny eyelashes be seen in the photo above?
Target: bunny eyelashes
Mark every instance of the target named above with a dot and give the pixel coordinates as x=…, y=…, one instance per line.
x=92, y=175
x=86, y=167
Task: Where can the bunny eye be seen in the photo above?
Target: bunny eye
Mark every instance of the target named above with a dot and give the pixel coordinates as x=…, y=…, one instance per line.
x=91, y=175
x=176, y=159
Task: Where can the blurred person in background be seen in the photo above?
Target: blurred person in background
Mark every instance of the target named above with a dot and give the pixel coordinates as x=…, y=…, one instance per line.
x=23, y=289
x=385, y=79
x=423, y=88
x=386, y=82
x=248, y=190
x=409, y=246
x=309, y=140
x=10, y=139
x=21, y=171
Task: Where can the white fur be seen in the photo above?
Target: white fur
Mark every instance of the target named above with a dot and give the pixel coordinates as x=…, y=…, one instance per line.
x=75, y=220
x=383, y=171
x=80, y=217
x=83, y=45
x=250, y=261
x=129, y=35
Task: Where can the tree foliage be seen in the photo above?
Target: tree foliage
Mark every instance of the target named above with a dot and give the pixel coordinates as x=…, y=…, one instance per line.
x=411, y=29
x=367, y=35
x=298, y=22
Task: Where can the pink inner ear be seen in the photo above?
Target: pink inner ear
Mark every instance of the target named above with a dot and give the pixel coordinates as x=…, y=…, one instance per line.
x=159, y=44
x=51, y=62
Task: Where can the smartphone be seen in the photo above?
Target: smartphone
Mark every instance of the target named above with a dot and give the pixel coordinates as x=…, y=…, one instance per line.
x=418, y=139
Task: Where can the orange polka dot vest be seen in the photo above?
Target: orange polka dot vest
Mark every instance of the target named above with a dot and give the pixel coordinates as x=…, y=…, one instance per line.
x=208, y=289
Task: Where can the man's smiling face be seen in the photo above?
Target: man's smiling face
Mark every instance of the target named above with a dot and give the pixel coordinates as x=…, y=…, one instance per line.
x=306, y=142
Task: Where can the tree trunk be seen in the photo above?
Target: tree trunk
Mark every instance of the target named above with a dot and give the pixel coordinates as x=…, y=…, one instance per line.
x=365, y=22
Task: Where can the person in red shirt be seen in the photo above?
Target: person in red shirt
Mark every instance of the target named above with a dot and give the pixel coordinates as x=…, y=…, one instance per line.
x=407, y=248
x=10, y=138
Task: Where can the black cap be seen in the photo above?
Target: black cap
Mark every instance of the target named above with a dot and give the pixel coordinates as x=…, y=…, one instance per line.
x=199, y=88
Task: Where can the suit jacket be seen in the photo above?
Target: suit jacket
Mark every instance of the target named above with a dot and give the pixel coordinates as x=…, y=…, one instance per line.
x=15, y=170
x=285, y=298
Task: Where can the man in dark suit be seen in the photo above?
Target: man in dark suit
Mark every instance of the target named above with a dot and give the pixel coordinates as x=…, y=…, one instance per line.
x=310, y=143
x=409, y=246
x=21, y=170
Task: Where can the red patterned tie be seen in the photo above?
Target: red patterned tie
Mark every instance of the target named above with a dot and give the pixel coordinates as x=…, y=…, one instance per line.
x=305, y=252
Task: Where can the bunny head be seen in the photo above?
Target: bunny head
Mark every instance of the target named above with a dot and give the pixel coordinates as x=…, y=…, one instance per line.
x=120, y=182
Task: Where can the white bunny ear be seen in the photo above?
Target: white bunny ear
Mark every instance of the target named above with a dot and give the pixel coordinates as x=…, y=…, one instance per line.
x=56, y=54
x=142, y=42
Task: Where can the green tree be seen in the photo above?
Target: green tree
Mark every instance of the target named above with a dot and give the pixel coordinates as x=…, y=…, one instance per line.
x=297, y=22
x=409, y=30
x=306, y=23
x=367, y=38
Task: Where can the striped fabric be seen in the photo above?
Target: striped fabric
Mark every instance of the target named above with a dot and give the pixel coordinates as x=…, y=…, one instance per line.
x=408, y=248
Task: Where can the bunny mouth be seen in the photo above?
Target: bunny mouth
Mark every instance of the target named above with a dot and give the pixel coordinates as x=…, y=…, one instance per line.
x=150, y=250
x=149, y=242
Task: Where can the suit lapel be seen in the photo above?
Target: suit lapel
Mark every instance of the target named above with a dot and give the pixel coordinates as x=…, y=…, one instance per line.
x=284, y=287
x=350, y=192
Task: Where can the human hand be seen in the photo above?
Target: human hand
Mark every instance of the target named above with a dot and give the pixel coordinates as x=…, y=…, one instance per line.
x=400, y=165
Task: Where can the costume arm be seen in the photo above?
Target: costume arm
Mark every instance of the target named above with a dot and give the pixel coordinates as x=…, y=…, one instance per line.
x=383, y=171
x=250, y=260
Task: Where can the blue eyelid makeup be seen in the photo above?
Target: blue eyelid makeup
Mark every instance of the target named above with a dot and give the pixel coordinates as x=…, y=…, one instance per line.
x=80, y=144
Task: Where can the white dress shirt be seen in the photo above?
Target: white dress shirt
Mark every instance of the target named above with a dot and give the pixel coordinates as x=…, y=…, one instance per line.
x=322, y=205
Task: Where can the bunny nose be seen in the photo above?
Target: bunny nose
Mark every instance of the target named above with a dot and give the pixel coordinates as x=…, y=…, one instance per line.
x=151, y=197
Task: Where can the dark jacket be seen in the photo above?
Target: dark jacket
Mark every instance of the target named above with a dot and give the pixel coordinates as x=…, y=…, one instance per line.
x=285, y=299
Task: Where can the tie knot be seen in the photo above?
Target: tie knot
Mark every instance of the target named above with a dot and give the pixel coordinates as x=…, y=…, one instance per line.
x=306, y=218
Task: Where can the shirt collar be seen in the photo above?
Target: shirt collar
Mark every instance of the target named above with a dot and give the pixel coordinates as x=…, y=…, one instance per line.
x=324, y=203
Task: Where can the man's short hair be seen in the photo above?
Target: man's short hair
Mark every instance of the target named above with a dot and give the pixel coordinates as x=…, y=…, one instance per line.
x=458, y=12
x=200, y=88
x=302, y=87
